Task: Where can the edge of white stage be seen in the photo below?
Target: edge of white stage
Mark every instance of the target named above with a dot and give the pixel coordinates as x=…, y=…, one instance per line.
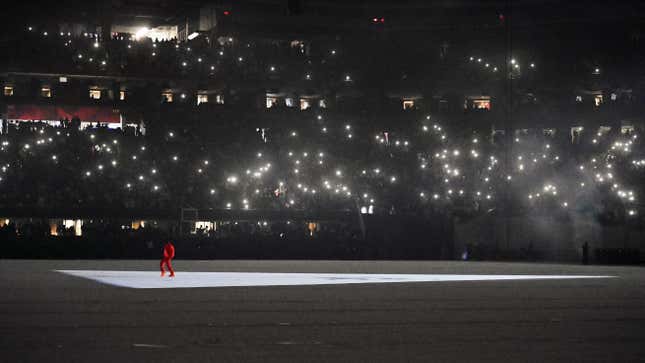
x=152, y=279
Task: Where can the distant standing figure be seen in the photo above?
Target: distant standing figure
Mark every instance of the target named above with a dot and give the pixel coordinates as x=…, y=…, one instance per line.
x=466, y=253
x=585, y=253
x=168, y=254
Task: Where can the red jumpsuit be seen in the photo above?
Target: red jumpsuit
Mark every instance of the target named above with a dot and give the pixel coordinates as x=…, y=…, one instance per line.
x=168, y=254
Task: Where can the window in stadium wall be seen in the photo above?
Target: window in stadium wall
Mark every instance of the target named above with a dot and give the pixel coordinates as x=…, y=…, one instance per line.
x=288, y=102
x=481, y=104
x=166, y=97
x=219, y=99
x=408, y=104
x=271, y=101
x=304, y=104
x=312, y=227
x=576, y=131
x=53, y=227
x=322, y=104
x=46, y=92
x=205, y=225
x=77, y=224
x=202, y=99
x=8, y=90
x=122, y=95
x=95, y=94
x=604, y=129
x=597, y=100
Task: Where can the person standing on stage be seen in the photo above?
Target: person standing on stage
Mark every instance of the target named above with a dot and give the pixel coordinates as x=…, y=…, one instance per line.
x=168, y=254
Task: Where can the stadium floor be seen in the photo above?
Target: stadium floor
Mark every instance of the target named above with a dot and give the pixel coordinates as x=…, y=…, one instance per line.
x=54, y=317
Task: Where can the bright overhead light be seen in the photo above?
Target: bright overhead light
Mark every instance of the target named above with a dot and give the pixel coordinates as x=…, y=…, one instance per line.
x=193, y=35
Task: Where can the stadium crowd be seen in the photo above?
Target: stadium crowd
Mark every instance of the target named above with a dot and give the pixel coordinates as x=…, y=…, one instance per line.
x=313, y=159
x=324, y=165
x=325, y=162
x=227, y=58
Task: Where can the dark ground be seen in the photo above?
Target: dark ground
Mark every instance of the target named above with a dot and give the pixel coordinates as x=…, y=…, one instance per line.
x=50, y=317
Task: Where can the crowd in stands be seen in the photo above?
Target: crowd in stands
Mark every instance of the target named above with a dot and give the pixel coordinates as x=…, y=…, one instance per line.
x=325, y=164
x=229, y=59
x=314, y=67
x=218, y=157
x=334, y=70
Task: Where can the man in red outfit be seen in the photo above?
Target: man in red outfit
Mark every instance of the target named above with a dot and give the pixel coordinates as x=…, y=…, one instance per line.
x=168, y=254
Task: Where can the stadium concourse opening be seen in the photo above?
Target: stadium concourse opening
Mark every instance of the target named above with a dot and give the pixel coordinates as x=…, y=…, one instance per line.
x=58, y=115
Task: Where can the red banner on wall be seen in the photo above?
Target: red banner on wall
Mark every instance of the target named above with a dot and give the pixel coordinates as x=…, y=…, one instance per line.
x=55, y=113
